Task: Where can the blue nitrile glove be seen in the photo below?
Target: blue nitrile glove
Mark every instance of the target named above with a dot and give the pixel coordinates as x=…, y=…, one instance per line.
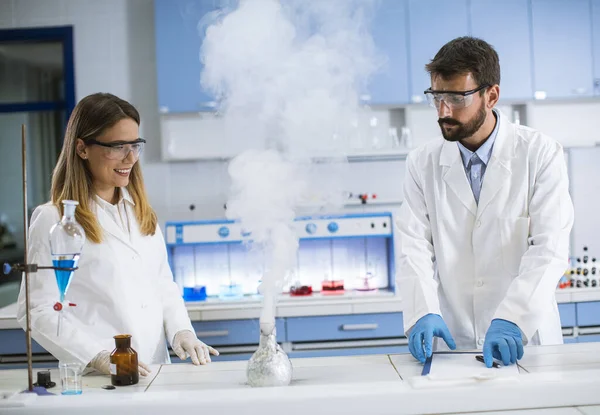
x=503, y=341
x=422, y=333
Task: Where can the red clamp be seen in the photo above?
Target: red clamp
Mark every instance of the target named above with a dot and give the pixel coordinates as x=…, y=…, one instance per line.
x=58, y=306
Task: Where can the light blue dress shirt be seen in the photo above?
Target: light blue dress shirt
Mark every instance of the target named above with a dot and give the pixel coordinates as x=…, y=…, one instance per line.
x=476, y=162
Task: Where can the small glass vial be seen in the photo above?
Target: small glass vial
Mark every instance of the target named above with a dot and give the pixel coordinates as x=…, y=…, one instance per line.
x=124, y=362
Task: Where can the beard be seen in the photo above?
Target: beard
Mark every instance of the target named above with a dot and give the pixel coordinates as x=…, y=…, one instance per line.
x=462, y=131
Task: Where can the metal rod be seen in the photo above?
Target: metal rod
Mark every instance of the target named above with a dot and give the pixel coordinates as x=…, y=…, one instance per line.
x=60, y=268
x=26, y=244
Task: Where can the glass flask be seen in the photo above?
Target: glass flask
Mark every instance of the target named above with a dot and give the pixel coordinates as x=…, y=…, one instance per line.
x=269, y=365
x=66, y=242
x=124, y=362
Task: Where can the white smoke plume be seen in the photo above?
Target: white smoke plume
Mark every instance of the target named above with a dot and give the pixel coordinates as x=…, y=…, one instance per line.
x=288, y=74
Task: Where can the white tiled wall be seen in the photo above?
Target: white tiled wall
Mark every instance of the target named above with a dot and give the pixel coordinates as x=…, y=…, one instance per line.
x=114, y=52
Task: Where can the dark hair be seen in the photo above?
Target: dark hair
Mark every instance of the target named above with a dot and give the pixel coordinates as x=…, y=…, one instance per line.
x=467, y=54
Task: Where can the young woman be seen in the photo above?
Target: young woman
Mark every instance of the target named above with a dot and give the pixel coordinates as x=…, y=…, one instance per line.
x=123, y=284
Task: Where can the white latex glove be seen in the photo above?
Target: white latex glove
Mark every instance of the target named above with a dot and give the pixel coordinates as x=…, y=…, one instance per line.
x=101, y=362
x=186, y=343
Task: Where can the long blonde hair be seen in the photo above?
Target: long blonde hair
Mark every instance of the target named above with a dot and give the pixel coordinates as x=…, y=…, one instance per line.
x=72, y=179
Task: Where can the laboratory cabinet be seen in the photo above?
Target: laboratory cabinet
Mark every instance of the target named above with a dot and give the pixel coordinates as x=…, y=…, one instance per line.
x=588, y=338
x=12, y=342
x=357, y=326
x=357, y=351
x=234, y=332
x=552, y=50
x=432, y=23
x=568, y=314
x=389, y=85
x=588, y=314
x=337, y=254
x=180, y=28
x=562, y=48
x=489, y=21
x=596, y=44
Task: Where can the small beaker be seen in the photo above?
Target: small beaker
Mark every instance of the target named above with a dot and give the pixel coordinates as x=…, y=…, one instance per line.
x=231, y=291
x=70, y=377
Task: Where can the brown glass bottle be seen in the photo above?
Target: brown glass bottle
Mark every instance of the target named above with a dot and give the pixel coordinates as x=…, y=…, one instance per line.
x=124, y=362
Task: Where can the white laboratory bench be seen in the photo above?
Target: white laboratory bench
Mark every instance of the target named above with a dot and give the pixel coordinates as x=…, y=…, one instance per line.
x=349, y=303
x=354, y=323
x=556, y=379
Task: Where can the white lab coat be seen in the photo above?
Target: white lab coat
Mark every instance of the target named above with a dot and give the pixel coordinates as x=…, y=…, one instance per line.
x=123, y=286
x=500, y=259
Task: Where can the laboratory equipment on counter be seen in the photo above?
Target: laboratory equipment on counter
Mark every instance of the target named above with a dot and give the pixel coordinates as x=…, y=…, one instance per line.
x=582, y=272
x=269, y=365
x=216, y=254
x=363, y=197
x=332, y=287
x=195, y=293
x=231, y=291
x=44, y=379
x=365, y=283
x=70, y=377
x=298, y=290
x=66, y=242
x=124, y=368
x=406, y=138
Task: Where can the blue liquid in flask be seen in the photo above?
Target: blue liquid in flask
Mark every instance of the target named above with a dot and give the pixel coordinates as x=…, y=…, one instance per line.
x=63, y=278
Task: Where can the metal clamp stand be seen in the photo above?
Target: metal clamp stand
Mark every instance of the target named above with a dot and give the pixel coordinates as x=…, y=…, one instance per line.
x=26, y=267
x=30, y=268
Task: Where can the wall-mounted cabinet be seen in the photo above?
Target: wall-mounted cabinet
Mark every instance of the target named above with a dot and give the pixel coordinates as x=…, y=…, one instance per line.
x=389, y=85
x=489, y=21
x=548, y=48
x=596, y=44
x=431, y=24
x=180, y=26
x=562, y=48
x=179, y=31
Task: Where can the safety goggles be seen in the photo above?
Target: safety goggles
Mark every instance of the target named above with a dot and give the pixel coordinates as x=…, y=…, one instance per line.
x=119, y=150
x=453, y=99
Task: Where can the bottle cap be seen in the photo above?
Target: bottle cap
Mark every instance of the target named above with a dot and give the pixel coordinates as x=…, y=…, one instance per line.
x=69, y=207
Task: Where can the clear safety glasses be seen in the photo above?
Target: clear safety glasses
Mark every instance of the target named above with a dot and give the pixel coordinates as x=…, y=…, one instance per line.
x=119, y=150
x=453, y=99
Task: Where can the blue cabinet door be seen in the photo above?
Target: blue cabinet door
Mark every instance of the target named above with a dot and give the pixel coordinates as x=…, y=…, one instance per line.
x=588, y=314
x=596, y=43
x=389, y=30
x=432, y=23
x=344, y=327
x=562, y=44
x=588, y=338
x=179, y=29
x=505, y=25
x=568, y=315
x=357, y=351
x=234, y=332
